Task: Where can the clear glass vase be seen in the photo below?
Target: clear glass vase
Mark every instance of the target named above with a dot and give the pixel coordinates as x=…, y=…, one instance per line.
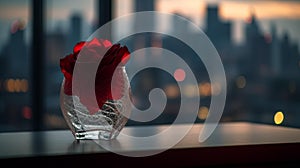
x=106, y=123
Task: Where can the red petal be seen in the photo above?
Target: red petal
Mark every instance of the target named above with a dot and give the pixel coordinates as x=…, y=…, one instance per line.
x=104, y=88
x=94, y=42
x=110, y=55
x=78, y=47
x=67, y=65
x=125, y=56
x=68, y=87
x=106, y=43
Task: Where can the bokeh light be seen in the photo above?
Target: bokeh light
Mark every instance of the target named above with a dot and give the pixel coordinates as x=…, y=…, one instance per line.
x=179, y=74
x=172, y=91
x=26, y=112
x=203, y=112
x=278, y=117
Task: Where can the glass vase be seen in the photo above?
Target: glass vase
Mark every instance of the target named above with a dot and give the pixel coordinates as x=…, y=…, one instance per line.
x=106, y=123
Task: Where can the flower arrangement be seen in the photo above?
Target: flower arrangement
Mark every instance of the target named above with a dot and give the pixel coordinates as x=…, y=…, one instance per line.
x=106, y=119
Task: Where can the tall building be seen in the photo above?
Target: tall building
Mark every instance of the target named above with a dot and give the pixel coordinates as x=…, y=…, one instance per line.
x=217, y=30
x=140, y=41
x=15, y=52
x=15, y=77
x=252, y=29
x=289, y=56
x=56, y=47
x=144, y=5
x=181, y=25
x=145, y=39
x=258, y=49
x=275, y=52
x=75, y=29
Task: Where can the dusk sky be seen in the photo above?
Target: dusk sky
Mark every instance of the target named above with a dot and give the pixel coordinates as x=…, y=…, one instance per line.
x=284, y=14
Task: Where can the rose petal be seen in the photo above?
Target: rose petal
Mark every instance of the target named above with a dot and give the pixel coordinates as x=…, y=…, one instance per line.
x=68, y=87
x=94, y=43
x=106, y=88
x=122, y=57
x=110, y=54
x=106, y=43
x=78, y=47
x=67, y=65
x=126, y=56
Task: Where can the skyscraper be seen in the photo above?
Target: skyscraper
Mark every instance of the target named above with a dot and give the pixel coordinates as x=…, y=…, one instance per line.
x=217, y=30
x=15, y=77
x=75, y=29
x=144, y=39
x=258, y=49
x=275, y=52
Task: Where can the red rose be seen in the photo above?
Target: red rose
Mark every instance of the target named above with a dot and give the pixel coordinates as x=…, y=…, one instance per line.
x=91, y=52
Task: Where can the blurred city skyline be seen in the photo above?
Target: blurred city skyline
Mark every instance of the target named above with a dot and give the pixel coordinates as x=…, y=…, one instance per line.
x=262, y=73
x=285, y=15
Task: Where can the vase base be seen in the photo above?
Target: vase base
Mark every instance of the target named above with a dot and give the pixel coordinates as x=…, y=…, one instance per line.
x=96, y=134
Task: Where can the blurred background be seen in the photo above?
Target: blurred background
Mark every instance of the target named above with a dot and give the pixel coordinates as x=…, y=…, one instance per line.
x=257, y=40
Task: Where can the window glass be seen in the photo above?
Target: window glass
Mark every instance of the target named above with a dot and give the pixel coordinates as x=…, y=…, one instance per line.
x=67, y=23
x=258, y=42
x=15, y=30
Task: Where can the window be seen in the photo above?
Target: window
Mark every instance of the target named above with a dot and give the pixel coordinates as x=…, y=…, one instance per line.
x=67, y=22
x=259, y=49
x=15, y=79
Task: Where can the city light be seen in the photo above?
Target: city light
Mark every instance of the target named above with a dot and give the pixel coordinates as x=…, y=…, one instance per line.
x=26, y=112
x=9, y=85
x=203, y=112
x=191, y=90
x=179, y=74
x=241, y=82
x=172, y=91
x=205, y=89
x=16, y=85
x=278, y=117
